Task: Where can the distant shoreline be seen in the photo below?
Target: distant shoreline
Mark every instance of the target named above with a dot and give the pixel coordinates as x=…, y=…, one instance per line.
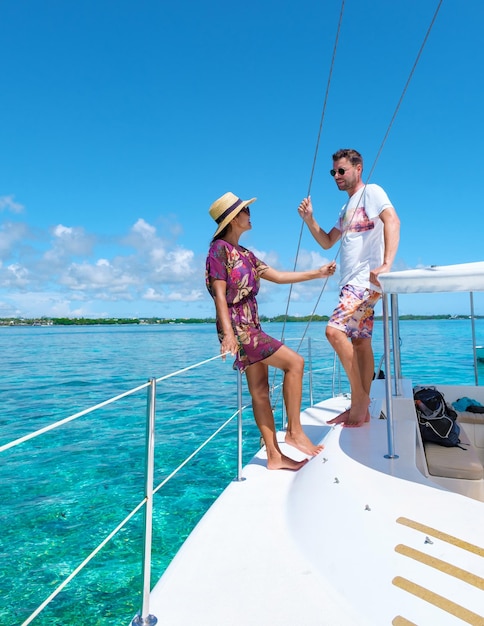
x=145, y=321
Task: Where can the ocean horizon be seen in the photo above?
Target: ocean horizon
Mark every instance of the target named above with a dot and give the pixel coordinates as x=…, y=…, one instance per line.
x=46, y=320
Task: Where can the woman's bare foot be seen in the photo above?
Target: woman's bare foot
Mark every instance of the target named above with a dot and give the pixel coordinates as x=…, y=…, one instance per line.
x=302, y=442
x=284, y=462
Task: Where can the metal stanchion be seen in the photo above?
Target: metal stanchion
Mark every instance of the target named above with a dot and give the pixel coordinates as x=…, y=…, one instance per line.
x=473, y=330
x=239, y=426
x=144, y=618
x=310, y=365
x=388, y=380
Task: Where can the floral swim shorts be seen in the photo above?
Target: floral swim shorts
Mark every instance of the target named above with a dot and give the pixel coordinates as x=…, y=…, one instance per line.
x=355, y=312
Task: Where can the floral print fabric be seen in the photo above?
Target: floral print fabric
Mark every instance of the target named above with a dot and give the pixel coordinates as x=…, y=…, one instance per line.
x=241, y=270
x=355, y=312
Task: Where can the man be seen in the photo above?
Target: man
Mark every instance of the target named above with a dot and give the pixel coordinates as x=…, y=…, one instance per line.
x=369, y=228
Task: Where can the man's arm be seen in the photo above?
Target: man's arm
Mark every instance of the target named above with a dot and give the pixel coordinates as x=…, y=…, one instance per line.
x=391, y=238
x=325, y=240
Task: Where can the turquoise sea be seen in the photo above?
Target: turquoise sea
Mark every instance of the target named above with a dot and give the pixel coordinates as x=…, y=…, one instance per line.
x=63, y=492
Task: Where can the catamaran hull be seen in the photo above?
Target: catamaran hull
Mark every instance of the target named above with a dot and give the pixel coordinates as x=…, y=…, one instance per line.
x=354, y=538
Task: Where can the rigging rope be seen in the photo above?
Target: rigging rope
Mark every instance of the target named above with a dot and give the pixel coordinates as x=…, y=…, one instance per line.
x=410, y=76
x=323, y=112
x=397, y=108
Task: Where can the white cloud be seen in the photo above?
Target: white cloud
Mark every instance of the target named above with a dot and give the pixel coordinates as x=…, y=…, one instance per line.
x=7, y=203
x=69, y=242
x=186, y=296
x=12, y=234
x=142, y=236
x=193, y=295
x=271, y=258
x=175, y=264
x=66, y=270
x=310, y=259
x=101, y=276
x=63, y=260
x=14, y=276
x=48, y=303
x=145, y=230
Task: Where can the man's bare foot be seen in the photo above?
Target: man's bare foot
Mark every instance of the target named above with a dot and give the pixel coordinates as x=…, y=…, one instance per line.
x=284, y=462
x=302, y=442
x=345, y=419
x=340, y=419
x=357, y=416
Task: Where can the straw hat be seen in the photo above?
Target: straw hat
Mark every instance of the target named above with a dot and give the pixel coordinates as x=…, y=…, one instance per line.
x=226, y=208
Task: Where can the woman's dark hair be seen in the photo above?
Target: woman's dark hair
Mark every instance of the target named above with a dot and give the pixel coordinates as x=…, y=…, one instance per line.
x=221, y=234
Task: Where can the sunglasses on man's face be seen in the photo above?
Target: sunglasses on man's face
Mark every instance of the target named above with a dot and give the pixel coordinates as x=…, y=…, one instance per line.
x=339, y=171
x=245, y=210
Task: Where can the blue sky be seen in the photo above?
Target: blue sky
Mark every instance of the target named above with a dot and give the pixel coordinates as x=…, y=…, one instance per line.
x=122, y=121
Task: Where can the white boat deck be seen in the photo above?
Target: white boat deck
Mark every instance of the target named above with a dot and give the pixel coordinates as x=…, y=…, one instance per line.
x=348, y=540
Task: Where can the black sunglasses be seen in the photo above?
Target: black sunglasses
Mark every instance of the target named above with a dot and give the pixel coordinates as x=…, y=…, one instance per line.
x=340, y=171
x=245, y=210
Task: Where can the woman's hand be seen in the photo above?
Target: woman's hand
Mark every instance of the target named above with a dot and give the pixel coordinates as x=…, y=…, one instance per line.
x=328, y=269
x=229, y=344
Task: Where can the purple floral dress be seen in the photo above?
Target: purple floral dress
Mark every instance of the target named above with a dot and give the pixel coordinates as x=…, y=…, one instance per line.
x=241, y=270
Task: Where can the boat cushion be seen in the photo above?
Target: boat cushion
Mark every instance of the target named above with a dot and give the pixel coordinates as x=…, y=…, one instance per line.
x=454, y=462
x=470, y=418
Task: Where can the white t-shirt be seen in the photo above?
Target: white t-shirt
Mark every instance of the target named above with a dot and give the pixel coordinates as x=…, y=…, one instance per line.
x=362, y=236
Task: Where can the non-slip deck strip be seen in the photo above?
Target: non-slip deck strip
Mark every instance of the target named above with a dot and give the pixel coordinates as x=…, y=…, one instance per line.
x=401, y=621
x=438, y=534
x=439, y=601
x=443, y=566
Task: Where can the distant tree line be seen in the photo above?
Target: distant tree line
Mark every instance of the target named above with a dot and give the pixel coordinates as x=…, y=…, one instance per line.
x=110, y=321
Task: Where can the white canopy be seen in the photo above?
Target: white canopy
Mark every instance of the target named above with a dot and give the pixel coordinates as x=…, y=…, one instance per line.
x=436, y=278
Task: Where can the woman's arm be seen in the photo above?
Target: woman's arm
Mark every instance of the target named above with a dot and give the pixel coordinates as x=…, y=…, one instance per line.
x=284, y=278
x=229, y=341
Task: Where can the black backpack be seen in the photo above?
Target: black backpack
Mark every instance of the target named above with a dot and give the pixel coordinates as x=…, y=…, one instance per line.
x=436, y=419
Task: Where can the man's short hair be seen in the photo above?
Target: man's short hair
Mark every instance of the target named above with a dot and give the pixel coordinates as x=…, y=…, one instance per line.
x=353, y=156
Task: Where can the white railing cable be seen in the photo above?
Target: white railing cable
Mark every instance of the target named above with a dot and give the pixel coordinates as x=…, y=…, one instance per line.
x=191, y=367
x=150, y=490
x=123, y=523
x=89, y=558
x=195, y=452
x=137, y=508
x=46, y=429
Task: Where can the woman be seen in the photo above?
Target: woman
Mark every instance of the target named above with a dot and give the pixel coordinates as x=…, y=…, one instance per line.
x=232, y=278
